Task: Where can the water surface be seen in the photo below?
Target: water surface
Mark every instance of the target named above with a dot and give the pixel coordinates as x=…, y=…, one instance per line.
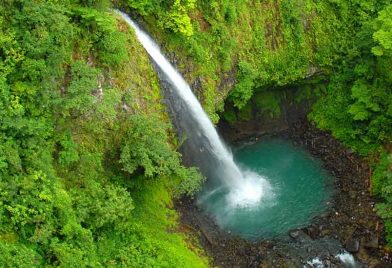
x=296, y=191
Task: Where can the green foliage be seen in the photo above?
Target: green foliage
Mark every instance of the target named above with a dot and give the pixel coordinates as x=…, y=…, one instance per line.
x=382, y=175
x=78, y=105
x=268, y=103
x=18, y=255
x=70, y=76
x=244, y=88
x=177, y=19
x=356, y=105
x=230, y=115
x=382, y=186
x=145, y=146
x=383, y=33
x=173, y=16
x=245, y=113
x=40, y=212
x=154, y=243
x=191, y=181
x=241, y=47
x=68, y=153
x=275, y=44
x=29, y=203
x=78, y=97
x=103, y=206
x=112, y=51
x=364, y=105
x=357, y=101
x=109, y=41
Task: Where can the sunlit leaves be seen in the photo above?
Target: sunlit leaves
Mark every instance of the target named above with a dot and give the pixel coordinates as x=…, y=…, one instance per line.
x=63, y=200
x=68, y=153
x=14, y=254
x=99, y=206
x=382, y=185
x=383, y=33
x=173, y=16
x=78, y=97
x=243, y=90
x=364, y=104
x=146, y=146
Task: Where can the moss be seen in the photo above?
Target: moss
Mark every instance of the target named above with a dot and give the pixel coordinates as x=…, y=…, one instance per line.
x=246, y=113
x=278, y=41
x=133, y=83
x=268, y=103
x=230, y=115
x=67, y=198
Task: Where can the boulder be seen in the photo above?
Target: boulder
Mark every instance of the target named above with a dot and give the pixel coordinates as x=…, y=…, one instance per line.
x=299, y=235
x=352, y=245
x=311, y=231
x=294, y=234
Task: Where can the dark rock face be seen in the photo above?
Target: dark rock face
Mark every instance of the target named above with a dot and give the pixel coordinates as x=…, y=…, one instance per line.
x=371, y=243
x=312, y=231
x=350, y=224
x=299, y=235
x=294, y=234
x=352, y=246
x=261, y=123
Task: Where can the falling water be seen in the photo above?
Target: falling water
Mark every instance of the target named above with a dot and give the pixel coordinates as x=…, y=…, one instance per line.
x=204, y=146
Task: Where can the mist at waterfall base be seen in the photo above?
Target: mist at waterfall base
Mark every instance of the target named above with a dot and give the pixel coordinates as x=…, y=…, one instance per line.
x=297, y=191
x=241, y=200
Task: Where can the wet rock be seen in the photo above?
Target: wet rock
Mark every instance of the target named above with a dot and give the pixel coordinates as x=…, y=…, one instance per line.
x=352, y=246
x=299, y=235
x=352, y=194
x=363, y=254
x=355, y=221
x=349, y=151
x=328, y=264
x=312, y=232
x=371, y=243
x=325, y=232
x=294, y=234
x=324, y=215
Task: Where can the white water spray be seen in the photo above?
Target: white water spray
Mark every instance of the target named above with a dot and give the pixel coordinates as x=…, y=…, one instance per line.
x=246, y=190
x=347, y=259
x=315, y=263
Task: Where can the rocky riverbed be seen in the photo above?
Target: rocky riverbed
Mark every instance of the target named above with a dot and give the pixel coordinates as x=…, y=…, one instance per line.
x=350, y=224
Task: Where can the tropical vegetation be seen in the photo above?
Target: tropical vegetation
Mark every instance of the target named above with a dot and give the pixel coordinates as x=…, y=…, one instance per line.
x=89, y=165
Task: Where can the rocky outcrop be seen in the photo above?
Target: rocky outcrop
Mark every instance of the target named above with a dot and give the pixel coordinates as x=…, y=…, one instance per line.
x=261, y=123
x=350, y=224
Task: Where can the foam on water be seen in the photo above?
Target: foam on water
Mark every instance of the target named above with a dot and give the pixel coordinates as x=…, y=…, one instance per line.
x=315, y=263
x=252, y=192
x=347, y=259
x=294, y=193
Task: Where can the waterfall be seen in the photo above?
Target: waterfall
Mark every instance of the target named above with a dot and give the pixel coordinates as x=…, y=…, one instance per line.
x=203, y=145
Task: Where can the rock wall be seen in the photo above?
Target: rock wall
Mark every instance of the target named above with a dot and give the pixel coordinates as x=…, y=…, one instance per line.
x=260, y=119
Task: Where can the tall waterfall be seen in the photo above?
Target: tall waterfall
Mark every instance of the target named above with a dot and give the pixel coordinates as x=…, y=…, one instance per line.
x=203, y=145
